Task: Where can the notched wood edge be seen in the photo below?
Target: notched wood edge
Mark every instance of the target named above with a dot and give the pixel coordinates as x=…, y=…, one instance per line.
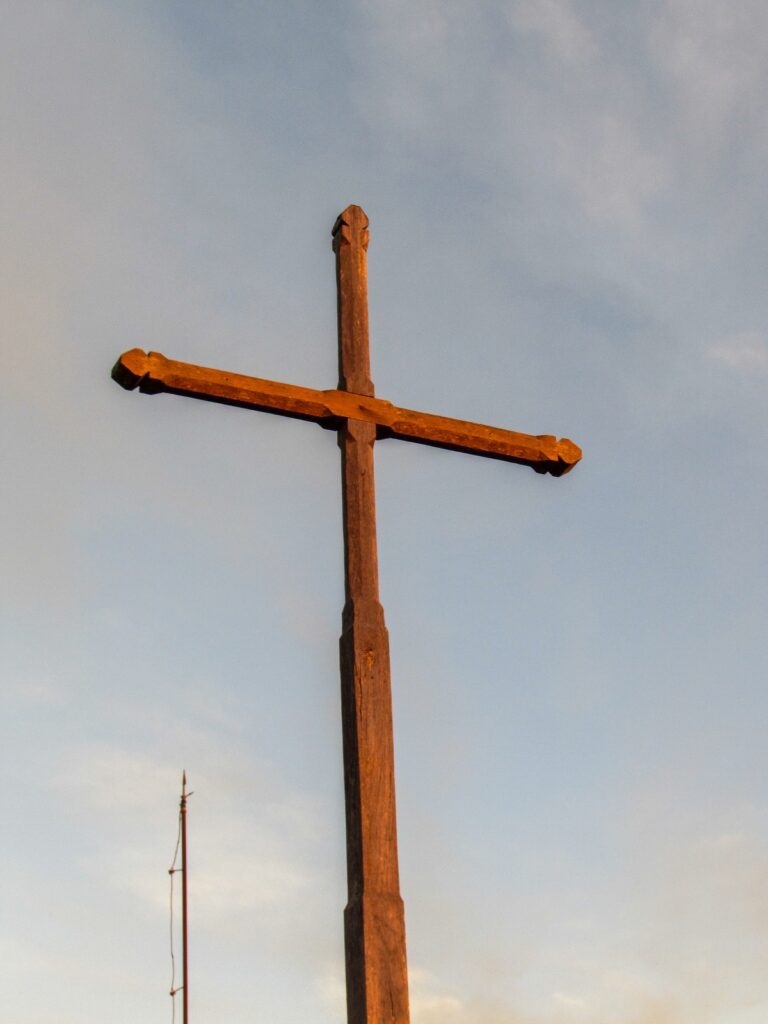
x=133, y=369
x=568, y=454
x=352, y=224
x=130, y=368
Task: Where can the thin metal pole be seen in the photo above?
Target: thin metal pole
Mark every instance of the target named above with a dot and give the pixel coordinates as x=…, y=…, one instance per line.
x=184, y=896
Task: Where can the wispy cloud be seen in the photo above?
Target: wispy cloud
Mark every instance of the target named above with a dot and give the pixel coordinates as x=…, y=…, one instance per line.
x=151, y=162
x=586, y=129
x=745, y=353
x=715, y=57
x=43, y=689
x=557, y=24
x=562, y=1000
x=431, y=1001
x=266, y=858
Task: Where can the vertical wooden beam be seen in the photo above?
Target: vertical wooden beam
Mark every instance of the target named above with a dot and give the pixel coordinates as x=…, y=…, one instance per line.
x=374, y=921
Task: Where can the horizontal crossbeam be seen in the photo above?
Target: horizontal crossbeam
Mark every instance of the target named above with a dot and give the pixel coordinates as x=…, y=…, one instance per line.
x=153, y=373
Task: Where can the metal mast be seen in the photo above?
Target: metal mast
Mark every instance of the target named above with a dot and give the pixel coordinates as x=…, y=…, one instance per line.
x=184, y=923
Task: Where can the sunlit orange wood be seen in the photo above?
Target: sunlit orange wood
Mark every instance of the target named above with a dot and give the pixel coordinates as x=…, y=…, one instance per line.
x=152, y=373
x=374, y=921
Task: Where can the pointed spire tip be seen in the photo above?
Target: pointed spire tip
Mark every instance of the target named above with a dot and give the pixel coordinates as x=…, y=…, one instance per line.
x=351, y=227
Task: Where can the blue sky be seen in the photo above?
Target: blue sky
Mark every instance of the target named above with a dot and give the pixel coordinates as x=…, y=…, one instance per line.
x=567, y=236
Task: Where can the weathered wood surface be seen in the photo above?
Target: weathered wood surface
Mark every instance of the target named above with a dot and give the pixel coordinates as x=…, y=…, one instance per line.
x=153, y=373
x=377, y=985
x=374, y=919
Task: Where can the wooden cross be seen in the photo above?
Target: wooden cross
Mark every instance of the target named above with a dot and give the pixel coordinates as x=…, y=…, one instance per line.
x=374, y=924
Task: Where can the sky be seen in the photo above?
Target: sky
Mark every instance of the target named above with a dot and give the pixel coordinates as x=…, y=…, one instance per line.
x=566, y=203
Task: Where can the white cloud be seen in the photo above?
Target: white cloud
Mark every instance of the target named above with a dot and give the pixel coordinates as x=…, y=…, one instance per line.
x=568, y=1002
x=715, y=54
x=107, y=777
x=585, y=132
x=566, y=130
x=558, y=25
x=608, y=165
x=41, y=689
x=331, y=987
x=266, y=857
x=745, y=353
x=429, y=1000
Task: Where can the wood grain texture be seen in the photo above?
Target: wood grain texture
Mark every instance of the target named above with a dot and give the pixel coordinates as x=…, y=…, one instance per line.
x=350, y=243
x=153, y=373
x=374, y=919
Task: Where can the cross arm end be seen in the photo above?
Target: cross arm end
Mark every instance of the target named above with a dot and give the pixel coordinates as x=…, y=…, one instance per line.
x=132, y=369
x=542, y=452
x=567, y=454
